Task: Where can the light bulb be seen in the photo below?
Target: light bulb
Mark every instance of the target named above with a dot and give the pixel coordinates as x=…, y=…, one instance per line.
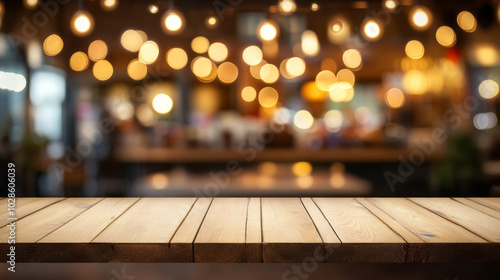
x=420, y=18
x=153, y=9
x=314, y=7
x=336, y=25
x=82, y=23
x=172, y=22
x=30, y=4
x=391, y=4
x=268, y=30
x=109, y=5
x=287, y=7
x=372, y=29
x=212, y=22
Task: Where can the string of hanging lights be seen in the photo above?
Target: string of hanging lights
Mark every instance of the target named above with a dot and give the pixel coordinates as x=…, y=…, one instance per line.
x=268, y=31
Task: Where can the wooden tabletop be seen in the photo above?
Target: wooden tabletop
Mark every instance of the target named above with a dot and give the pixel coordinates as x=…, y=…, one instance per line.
x=394, y=230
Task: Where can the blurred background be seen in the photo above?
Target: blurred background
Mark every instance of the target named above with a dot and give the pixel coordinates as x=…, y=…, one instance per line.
x=250, y=97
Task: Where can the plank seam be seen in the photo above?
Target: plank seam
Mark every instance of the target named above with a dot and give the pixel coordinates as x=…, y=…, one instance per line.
x=468, y=198
x=114, y=220
x=38, y=210
x=454, y=199
x=69, y=220
x=183, y=219
x=393, y=230
x=246, y=229
x=198, y=231
x=450, y=220
x=261, y=232
x=324, y=216
x=312, y=220
x=406, y=245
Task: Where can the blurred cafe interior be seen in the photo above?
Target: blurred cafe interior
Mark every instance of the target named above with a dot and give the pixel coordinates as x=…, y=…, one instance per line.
x=250, y=97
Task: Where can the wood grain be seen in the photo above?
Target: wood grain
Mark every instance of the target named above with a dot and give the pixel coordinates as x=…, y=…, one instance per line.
x=477, y=206
x=423, y=223
x=143, y=232
x=25, y=206
x=445, y=241
x=253, y=241
x=222, y=234
x=491, y=202
x=34, y=227
x=473, y=220
x=356, y=227
x=289, y=234
x=182, y=242
x=308, y=230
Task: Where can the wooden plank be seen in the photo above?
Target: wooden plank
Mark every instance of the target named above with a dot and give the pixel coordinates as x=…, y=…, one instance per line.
x=445, y=241
x=84, y=228
x=491, y=202
x=481, y=224
x=182, y=242
x=407, y=235
x=324, y=228
x=365, y=238
x=143, y=232
x=423, y=223
x=289, y=234
x=34, y=227
x=477, y=206
x=76, y=235
x=253, y=242
x=222, y=234
x=331, y=242
x=25, y=206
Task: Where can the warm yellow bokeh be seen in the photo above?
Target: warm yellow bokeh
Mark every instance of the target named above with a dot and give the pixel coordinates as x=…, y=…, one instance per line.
x=268, y=97
x=352, y=58
x=414, y=49
x=345, y=78
x=177, y=58
x=79, y=61
x=303, y=119
x=137, y=70
x=252, y=55
x=394, y=98
x=162, y=103
x=132, y=40
x=97, y=50
x=248, y=94
x=467, y=21
x=269, y=73
x=149, y=52
x=326, y=80
x=217, y=52
x=227, y=72
x=53, y=45
x=103, y=70
x=302, y=168
x=446, y=36
x=200, y=44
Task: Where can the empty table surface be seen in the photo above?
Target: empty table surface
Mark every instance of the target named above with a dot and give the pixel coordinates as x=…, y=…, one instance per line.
x=395, y=230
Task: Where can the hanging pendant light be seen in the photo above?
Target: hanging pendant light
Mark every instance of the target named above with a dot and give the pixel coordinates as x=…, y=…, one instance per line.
x=287, y=7
x=172, y=21
x=372, y=29
x=267, y=30
x=420, y=18
x=82, y=22
x=109, y=5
